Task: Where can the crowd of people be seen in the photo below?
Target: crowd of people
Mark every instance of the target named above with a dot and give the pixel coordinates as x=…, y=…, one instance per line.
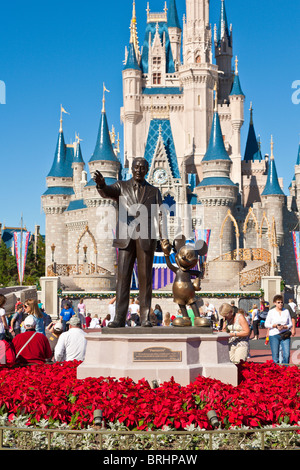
x=29, y=336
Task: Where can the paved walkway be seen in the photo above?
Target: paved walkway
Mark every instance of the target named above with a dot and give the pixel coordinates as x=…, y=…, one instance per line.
x=259, y=352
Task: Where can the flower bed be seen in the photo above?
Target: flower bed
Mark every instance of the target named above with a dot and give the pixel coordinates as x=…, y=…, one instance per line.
x=268, y=394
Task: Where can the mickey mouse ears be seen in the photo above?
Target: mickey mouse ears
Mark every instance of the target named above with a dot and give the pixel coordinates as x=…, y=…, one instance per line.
x=199, y=245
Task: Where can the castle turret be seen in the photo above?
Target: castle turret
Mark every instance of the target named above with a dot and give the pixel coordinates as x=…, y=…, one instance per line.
x=254, y=167
x=273, y=198
x=223, y=53
x=216, y=192
x=237, y=100
x=294, y=187
x=56, y=199
x=198, y=76
x=132, y=88
x=102, y=215
x=104, y=158
x=174, y=32
x=78, y=168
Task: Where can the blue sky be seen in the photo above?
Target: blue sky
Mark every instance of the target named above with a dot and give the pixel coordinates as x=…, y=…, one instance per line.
x=60, y=52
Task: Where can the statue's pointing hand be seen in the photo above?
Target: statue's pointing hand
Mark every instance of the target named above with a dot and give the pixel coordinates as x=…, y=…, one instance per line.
x=99, y=179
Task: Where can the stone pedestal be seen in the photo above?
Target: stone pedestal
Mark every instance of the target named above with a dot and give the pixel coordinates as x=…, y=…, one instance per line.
x=158, y=355
x=271, y=286
x=48, y=297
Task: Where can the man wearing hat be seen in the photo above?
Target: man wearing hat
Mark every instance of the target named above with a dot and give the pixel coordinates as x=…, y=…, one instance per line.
x=31, y=347
x=71, y=344
x=53, y=332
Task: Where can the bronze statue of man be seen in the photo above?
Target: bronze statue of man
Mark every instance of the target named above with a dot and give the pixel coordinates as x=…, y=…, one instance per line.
x=139, y=203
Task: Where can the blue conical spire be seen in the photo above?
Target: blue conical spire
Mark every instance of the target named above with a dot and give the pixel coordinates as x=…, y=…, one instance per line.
x=297, y=163
x=252, y=152
x=131, y=62
x=103, y=149
x=272, y=187
x=236, y=86
x=78, y=155
x=60, y=167
x=298, y=156
x=173, y=20
x=216, y=148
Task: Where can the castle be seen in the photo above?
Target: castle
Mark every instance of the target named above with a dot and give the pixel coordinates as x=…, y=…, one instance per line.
x=183, y=110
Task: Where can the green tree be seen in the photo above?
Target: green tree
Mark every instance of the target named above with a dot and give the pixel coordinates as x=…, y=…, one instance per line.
x=8, y=266
x=35, y=264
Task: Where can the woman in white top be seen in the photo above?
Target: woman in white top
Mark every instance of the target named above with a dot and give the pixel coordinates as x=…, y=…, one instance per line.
x=279, y=321
x=3, y=321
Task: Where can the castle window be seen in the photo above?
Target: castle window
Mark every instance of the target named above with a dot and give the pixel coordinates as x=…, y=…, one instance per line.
x=156, y=78
x=198, y=59
x=156, y=61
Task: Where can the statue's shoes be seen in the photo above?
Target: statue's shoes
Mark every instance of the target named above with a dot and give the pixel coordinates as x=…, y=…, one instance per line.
x=182, y=322
x=116, y=324
x=146, y=324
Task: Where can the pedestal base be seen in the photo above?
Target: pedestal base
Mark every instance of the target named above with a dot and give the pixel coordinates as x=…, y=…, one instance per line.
x=158, y=357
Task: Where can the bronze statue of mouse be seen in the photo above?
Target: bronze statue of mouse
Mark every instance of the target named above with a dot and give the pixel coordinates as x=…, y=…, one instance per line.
x=184, y=288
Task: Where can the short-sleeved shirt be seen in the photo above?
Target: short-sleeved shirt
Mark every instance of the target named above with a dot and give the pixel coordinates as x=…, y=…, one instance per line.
x=2, y=314
x=67, y=313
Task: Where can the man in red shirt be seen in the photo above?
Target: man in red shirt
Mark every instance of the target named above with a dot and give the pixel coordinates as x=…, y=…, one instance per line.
x=31, y=347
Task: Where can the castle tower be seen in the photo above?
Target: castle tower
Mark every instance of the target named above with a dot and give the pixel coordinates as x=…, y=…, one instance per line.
x=216, y=192
x=78, y=164
x=254, y=167
x=101, y=212
x=237, y=100
x=56, y=200
x=132, y=87
x=198, y=76
x=223, y=54
x=174, y=33
x=273, y=198
x=104, y=158
x=294, y=187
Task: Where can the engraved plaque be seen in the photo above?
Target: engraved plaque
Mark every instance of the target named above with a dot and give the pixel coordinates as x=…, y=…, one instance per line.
x=157, y=354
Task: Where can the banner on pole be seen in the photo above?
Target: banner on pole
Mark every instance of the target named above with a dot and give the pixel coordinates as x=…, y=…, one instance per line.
x=21, y=241
x=296, y=244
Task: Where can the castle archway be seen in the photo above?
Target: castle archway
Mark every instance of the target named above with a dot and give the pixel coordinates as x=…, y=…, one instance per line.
x=230, y=219
x=251, y=233
x=87, y=232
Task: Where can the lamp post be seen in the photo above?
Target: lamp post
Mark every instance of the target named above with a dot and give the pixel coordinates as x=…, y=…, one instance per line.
x=53, y=262
x=85, y=257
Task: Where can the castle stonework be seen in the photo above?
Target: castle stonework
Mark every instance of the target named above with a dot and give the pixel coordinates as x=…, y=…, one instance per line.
x=183, y=110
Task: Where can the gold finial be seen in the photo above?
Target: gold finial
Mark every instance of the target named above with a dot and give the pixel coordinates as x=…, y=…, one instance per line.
x=272, y=149
x=133, y=30
x=62, y=110
x=77, y=138
x=113, y=135
x=236, y=65
x=103, y=100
